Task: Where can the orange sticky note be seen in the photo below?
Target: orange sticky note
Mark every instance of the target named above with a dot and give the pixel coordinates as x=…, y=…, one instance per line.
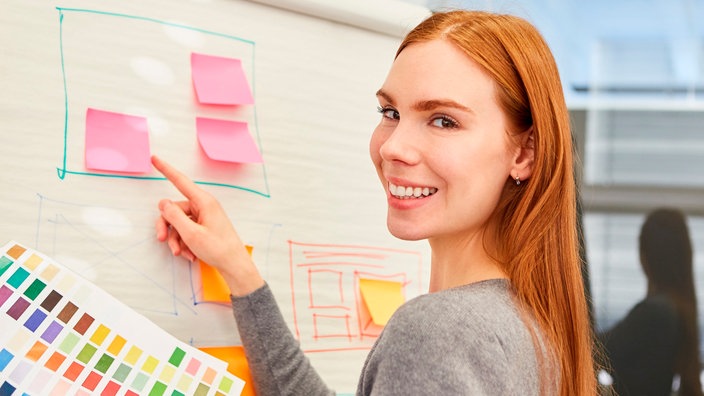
x=219, y=80
x=215, y=288
x=236, y=364
x=381, y=298
x=228, y=141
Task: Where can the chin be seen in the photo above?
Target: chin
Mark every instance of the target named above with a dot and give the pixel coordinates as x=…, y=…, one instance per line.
x=404, y=233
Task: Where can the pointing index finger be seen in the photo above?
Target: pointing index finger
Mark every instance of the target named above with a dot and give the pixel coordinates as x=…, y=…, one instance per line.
x=184, y=184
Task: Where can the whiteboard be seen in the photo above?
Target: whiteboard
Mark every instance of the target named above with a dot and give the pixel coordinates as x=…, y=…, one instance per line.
x=315, y=194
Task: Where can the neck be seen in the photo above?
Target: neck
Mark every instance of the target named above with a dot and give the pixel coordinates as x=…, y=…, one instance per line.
x=461, y=262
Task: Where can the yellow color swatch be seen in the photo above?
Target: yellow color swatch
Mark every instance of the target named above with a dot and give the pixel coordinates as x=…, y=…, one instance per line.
x=100, y=334
x=236, y=364
x=184, y=382
x=133, y=355
x=215, y=288
x=381, y=298
x=150, y=364
x=50, y=272
x=33, y=262
x=116, y=345
x=167, y=374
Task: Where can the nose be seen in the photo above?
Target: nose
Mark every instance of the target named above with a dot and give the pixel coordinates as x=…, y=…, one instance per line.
x=400, y=144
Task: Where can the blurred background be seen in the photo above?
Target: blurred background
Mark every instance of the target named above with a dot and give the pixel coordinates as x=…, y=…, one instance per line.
x=633, y=74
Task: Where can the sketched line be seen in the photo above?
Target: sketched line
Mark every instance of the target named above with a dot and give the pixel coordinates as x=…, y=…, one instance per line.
x=126, y=263
x=363, y=247
x=115, y=254
x=318, y=254
x=339, y=263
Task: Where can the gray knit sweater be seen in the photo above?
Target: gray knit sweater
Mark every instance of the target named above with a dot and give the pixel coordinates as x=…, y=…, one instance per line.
x=469, y=340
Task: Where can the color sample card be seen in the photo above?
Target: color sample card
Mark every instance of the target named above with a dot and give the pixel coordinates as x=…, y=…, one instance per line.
x=63, y=335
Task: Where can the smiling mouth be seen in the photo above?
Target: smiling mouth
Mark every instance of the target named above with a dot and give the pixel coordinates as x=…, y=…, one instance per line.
x=402, y=192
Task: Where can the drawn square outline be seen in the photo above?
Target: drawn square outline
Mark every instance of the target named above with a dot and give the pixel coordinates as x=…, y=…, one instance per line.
x=315, y=276
x=346, y=333
x=63, y=169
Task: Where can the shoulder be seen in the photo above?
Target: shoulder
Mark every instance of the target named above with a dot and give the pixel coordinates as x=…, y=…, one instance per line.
x=467, y=338
x=483, y=308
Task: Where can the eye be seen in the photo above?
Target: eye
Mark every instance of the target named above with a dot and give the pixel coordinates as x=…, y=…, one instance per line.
x=388, y=112
x=444, y=122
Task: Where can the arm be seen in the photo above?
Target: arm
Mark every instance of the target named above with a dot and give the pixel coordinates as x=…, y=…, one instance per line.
x=277, y=364
x=198, y=228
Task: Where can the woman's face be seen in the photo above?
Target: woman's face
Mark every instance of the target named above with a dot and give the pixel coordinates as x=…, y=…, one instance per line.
x=441, y=149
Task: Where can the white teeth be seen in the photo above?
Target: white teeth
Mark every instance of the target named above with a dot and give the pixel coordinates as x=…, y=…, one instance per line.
x=411, y=192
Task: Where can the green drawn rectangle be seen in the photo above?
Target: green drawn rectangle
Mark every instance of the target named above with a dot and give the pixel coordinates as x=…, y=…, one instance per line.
x=177, y=393
x=34, y=289
x=5, y=263
x=64, y=170
x=177, y=357
x=86, y=353
x=158, y=389
x=18, y=277
x=104, y=363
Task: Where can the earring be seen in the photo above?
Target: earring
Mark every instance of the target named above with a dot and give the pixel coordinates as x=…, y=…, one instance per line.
x=518, y=181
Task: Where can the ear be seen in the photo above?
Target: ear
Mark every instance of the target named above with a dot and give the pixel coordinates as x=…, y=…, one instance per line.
x=524, y=156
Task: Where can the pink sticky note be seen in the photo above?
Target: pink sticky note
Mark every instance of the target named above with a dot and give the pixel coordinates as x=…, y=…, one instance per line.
x=219, y=80
x=229, y=141
x=117, y=142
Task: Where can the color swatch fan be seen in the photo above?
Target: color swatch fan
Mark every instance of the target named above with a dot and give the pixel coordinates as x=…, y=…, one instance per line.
x=61, y=335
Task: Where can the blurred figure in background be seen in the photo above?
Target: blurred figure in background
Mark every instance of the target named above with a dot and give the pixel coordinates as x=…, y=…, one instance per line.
x=659, y=337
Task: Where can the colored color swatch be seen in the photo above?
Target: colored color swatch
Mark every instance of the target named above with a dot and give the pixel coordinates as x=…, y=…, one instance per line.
x=228, y=141
x=219, y=80
x=381, y=298
x=83, y=341
x=116, y=142
x=236, y=364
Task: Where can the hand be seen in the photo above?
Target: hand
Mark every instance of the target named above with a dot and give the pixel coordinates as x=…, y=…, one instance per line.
x=198, y=228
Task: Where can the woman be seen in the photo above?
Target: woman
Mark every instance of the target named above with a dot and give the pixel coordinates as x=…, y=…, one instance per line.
x=660, y=336
x=474, y=153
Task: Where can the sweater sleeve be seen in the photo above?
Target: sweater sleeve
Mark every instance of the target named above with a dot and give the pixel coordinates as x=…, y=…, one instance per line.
x=276, y=361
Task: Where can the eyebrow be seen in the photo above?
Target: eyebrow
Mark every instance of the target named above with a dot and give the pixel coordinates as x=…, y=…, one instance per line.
x=426, y=105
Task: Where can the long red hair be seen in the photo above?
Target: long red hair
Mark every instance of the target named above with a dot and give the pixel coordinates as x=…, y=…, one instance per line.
x=536, y=222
